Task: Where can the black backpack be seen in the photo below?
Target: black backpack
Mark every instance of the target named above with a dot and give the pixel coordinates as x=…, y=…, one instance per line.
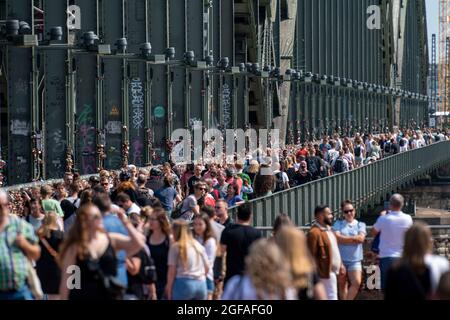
x=358, y=152
x=279, y=184
x=338, y=166
x=402, y=142
x=147, y=273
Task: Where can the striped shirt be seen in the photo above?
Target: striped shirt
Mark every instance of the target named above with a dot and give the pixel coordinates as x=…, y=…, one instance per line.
x=13, y=262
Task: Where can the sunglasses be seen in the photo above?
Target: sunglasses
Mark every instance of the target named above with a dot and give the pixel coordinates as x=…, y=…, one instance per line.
x=348, y=211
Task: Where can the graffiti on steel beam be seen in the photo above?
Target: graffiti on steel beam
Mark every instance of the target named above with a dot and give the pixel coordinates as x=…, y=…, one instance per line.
x=113, y=127
x=87, y=139
x=137, y=104
x=226, y=105
x=20, y=128
x=138, y=151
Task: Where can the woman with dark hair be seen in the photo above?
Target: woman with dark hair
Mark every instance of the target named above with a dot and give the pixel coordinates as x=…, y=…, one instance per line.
x=281, y=220
x=264, y=182
x=86, y=197
x=50, y=239
x=159, y=241
x=93, y=251
x=203, y=233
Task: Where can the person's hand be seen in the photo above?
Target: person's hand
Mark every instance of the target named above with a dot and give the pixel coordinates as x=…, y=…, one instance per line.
x=21, y=241
x=245, y=183
x=122, y=216
x=342, y=271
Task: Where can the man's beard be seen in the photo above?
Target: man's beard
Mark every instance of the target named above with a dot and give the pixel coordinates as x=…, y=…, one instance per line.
x=328, y=222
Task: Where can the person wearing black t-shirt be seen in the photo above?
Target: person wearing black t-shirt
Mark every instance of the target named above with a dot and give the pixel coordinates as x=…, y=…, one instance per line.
x=236, y=241
x=195, y=178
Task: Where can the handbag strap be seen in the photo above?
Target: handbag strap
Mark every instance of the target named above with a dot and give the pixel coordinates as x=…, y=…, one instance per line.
x=47, y=246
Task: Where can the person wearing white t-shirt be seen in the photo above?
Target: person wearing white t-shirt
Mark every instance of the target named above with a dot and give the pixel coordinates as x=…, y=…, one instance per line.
x=369, y=142
x=392, y=228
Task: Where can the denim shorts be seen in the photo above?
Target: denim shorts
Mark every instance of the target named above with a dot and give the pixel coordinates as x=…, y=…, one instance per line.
x=23, y=293
x=353, y=266
x=189, y=289
x=210, y=285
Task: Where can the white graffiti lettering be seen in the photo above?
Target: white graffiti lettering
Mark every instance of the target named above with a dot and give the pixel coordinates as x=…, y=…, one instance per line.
x=137, y=103
x=226, y=105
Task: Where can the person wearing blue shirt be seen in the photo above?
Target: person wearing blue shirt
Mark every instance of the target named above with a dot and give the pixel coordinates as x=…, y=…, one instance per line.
x=232, y=198
x=112, y=224
x=167, y=194
x=350, y=234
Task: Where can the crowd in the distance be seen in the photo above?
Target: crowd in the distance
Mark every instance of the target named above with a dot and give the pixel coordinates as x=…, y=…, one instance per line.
x=167, y=234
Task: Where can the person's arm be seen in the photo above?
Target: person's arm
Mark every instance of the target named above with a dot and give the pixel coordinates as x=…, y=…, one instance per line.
x=344, y=239
x=360, y=238
x=59, y=210
x=171, y=273
x=285, y=180
x=32, y=251
x=211, y=250
x=152, y=292
x=133, y=265
x=132, y=243
x=320, y=292
x=312, y=244
x=196, y=209
x=68, y=261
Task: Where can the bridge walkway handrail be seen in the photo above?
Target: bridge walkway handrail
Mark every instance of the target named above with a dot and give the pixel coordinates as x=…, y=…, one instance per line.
x=367, y=185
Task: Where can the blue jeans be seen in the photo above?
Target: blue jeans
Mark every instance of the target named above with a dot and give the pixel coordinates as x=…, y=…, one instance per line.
x=22, y=294
x=385, y=265
x=189, y=289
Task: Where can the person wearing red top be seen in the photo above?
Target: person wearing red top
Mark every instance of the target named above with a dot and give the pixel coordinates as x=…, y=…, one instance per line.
x=302, y=152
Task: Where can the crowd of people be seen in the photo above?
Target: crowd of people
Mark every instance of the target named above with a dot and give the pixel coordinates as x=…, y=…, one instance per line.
x=166, y=233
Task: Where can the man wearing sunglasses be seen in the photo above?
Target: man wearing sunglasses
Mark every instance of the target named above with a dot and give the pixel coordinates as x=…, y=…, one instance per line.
x=190, y=207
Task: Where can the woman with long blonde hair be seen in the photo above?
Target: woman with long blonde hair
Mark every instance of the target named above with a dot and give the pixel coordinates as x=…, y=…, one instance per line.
x=292, y=243
x=267, y=275
x=93, y=251
x=188, y=266
x=50, y=239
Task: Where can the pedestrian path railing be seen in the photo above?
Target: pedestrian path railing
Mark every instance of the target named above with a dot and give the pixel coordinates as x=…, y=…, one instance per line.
x=367, y=185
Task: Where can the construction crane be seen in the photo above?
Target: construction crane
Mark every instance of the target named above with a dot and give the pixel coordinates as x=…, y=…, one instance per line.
x=444, y=42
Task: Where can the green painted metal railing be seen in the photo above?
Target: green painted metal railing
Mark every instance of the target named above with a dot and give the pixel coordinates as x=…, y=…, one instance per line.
x=368, y=185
